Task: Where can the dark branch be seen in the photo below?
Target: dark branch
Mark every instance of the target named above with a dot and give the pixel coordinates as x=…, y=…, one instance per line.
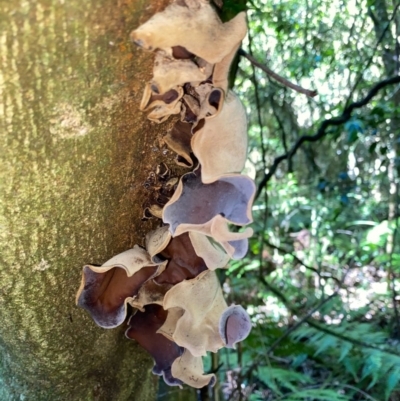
x=277, y=77
x=298, y=260
x=321, y=133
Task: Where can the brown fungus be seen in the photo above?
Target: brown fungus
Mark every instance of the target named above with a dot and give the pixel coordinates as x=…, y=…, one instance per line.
x=143, y=328
x=196, y=27
x=183, y=262
x=202, y=102
x=190, y=109
x=180, y=53
x=105, y=290
x=178, y=139
x=180, y=310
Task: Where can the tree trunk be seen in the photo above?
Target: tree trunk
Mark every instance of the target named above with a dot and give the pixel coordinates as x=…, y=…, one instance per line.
x=74, y=154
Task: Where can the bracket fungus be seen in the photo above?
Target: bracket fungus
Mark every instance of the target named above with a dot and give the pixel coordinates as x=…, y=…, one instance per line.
x=169, y=73
x=178, y=139
x=191, y=371
x=221, y=144
x=200, y=320
x=143, y=328
x=195, y=203
x=161, y=106
x=203, y=303
x=194, y=26
x=105, y=290
x=176, y=304
x=209, y=250
x=182, y=261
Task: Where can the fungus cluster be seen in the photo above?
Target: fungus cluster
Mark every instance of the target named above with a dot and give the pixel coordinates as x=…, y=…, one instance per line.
x=170, y=289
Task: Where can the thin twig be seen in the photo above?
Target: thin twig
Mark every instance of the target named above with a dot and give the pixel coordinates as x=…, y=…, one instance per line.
x=282, y=128
x=258, y=106
x=321, y=133
x=366, y=66
x=301, y=321
x=277, y=77
x=298, y=260
x=358, y=390
x=324, y=328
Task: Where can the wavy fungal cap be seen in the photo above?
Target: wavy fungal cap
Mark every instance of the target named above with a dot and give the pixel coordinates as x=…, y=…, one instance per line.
x=169, y=73
x=209, y=250
x=197, y=29
x=221, y=145
x=105, y=290
x=190, y=370
x=203, y=303
x=196, y=203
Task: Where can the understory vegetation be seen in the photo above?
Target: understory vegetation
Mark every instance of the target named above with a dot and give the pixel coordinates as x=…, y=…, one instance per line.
x=321, y=278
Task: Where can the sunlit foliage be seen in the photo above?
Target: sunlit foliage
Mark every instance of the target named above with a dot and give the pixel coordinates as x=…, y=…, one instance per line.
x=322, y=276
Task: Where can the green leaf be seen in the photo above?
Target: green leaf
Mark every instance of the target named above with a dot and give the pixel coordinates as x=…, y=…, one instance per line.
x=351, y=366
x=284, y=377
x=391, y=382
x=345, y=349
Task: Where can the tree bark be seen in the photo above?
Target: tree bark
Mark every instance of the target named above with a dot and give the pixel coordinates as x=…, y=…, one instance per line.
x=75, y=153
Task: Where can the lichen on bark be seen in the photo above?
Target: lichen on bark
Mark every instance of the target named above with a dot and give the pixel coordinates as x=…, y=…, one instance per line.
x=75, y=152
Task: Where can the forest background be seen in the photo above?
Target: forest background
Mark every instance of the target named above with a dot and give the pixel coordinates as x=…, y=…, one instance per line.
x=322, y=275
x=321, y=279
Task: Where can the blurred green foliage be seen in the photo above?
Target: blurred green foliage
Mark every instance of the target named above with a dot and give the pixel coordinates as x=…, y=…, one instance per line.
x=321, y=279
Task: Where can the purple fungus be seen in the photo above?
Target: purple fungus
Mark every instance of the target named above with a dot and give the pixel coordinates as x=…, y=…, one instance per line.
x=234, y=325
x=196, y=203
x=180, y=53
x=143, y=328
x=105, y=290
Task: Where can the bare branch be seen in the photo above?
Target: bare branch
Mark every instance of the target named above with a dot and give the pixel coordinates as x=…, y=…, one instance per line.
x=298, y=260
x=277, y=77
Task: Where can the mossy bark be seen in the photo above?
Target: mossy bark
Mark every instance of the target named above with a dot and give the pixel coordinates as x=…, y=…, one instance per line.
x=74, y=154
